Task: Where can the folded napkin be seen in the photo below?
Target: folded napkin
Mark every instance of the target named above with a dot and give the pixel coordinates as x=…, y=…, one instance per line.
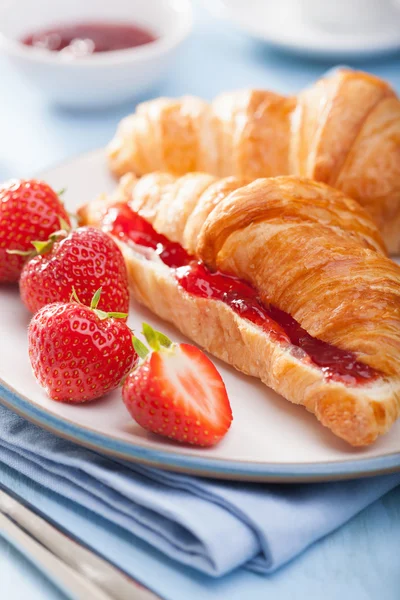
x=212, y=526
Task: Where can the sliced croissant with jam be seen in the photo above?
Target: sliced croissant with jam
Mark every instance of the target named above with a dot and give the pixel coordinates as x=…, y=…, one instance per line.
x=344, y=131
x=283, y=278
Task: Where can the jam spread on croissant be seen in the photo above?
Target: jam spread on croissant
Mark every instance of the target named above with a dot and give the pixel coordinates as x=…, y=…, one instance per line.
x=242, y=298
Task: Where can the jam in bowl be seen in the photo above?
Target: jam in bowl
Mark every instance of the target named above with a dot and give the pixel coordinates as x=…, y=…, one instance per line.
x=83, y=39
x=85, y=54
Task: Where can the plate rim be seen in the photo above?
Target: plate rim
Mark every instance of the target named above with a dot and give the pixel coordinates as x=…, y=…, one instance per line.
x=322, y=45
x=172, y=460
x=179, y=461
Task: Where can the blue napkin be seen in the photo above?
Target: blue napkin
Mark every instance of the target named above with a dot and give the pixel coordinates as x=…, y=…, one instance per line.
x=212, y=526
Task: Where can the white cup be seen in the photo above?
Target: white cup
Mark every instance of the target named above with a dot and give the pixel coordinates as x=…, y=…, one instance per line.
x=345, y=16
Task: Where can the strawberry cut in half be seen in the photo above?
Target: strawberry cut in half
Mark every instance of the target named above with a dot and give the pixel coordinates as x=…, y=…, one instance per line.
x=176, y=391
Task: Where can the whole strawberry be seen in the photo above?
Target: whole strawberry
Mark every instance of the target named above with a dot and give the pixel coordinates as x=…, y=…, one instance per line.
x=176, y=391
x=84, y=259
x=79, y=353
x=29, y=210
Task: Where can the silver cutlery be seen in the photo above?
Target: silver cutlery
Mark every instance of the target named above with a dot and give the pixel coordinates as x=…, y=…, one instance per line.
x=71, y=565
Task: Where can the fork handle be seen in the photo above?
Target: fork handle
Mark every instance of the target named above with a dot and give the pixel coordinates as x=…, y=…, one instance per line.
x=64, y=577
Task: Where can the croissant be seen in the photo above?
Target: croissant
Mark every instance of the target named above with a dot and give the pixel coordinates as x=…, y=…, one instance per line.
x=284, y=278
x=343, y=131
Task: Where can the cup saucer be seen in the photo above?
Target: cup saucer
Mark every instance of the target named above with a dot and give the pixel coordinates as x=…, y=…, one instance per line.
x=282, y=24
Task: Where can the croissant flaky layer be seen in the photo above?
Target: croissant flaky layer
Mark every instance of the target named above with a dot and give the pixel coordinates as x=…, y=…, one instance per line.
x=308, y=250
x=343, y=131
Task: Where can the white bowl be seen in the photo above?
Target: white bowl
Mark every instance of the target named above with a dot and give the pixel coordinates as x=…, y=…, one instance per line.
x=104, y=78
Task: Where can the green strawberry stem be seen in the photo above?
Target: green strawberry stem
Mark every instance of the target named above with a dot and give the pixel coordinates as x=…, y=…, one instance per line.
x=43, y=247
x=102, y=314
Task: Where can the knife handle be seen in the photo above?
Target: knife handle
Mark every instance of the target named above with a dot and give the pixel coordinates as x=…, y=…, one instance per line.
x=63, y=576
x=78, y=557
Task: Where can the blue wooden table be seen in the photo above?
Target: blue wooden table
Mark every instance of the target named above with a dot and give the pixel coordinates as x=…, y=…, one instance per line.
x=362, y=560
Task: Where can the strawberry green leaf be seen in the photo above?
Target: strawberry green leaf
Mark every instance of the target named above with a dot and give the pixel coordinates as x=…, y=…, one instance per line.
x=64, y=225
x=101, y=314
x=139, y=347
x=56, y=236
x=151, y=336
x=22, y=252
x=43, y=247
x=155, y=338
x=61, y=192
x=163, y=339
x=96, y=298
x=74, y=296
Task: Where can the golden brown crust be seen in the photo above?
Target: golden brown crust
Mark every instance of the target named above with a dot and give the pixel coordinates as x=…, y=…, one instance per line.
x=293, y=258
x=344, y=130
x=310, y=251
x=371, y=171
x=327, y=119
x=253, y=132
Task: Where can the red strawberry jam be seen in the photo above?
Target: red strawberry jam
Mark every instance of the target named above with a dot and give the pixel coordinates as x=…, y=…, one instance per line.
x=122, y=222
x=239, y=295
x=84, y=39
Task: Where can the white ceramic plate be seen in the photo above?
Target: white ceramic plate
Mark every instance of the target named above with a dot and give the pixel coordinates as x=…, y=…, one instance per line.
x=270, y=439
x=282, y=23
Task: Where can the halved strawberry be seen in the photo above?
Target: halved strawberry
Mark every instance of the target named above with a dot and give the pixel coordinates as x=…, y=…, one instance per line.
x=176, y=391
